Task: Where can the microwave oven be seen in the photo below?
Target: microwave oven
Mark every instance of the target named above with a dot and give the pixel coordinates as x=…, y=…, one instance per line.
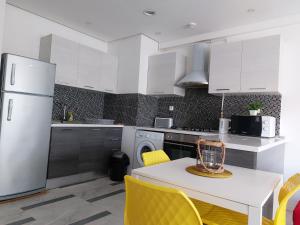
x=257, y=126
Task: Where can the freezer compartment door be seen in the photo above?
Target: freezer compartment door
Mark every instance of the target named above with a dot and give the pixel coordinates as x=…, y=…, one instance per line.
x=20, y=74
x=24, y=142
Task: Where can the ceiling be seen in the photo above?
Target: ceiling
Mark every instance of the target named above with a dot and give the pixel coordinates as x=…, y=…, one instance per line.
x=113, y=19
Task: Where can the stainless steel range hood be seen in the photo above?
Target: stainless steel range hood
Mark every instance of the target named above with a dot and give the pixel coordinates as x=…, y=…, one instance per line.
x=198, y=77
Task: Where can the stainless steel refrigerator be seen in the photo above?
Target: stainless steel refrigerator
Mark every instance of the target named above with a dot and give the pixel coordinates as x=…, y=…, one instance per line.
x=27, y=88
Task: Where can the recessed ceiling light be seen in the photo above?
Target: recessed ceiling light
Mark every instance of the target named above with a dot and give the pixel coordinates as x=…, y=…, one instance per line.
x=250, y=10
x=149, y=12
x=190, y=25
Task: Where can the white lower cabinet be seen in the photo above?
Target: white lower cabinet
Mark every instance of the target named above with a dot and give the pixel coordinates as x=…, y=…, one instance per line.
x=80, y=66
x=164, y=70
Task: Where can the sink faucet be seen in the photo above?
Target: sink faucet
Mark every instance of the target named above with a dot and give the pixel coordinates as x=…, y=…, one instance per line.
x=64, y=112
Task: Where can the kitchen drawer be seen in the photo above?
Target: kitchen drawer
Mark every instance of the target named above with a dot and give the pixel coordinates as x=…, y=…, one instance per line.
x=79, y=150
x=91, y=149
x=113, y=133
x=241, y=158
x=64, y=152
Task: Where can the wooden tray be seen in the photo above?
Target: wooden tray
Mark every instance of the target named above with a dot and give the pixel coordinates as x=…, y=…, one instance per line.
x=195, y=171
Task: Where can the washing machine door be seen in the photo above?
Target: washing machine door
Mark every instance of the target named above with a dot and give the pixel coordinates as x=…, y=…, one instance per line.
x=145, y=146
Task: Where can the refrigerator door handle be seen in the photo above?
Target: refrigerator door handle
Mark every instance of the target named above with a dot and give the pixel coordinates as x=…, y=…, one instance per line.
x=10, y=108
x=13, y=74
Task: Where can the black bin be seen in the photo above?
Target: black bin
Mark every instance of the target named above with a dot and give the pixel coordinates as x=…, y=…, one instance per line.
x=119, y=162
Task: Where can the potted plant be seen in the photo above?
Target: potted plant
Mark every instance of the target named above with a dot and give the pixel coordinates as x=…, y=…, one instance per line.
x=255, y=108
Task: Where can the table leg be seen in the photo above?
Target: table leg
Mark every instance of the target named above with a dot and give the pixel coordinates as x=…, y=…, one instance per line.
x=275, y=197
x=255, y=216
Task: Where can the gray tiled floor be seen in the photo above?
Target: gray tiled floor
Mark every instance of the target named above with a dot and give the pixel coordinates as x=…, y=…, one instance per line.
x=69, y=206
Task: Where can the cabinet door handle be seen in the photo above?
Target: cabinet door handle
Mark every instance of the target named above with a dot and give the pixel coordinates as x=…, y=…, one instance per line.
x=223, y=89
x=115, y=139
x=13, y=74
x=87, y=86
x=257, y=88
x=10, y=108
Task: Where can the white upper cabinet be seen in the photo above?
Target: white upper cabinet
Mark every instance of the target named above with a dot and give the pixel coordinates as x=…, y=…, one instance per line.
x=109, y=73
x=245, y=67
x=64, y=54
x=225, y=68
x=164, y=70
x=89, y=68
x=260, y=65
x=80, y=66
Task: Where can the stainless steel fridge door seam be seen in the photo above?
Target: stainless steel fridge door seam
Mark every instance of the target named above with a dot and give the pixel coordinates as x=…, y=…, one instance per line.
x=24, y=93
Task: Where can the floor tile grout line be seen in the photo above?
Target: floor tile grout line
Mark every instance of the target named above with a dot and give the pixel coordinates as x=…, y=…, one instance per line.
x=22, y=221
x=92, y=218
x=54, y=200
x=74, y=184
x=116, y=183
x=105, y=195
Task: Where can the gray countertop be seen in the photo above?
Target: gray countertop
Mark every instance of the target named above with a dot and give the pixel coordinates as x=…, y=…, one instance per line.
x=84, y=125
x=252, y=144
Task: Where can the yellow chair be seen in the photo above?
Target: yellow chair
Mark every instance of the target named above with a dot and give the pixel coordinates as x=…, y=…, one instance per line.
x=148, y=204
x=159, y=156
x=222, y=216
x=155, y=157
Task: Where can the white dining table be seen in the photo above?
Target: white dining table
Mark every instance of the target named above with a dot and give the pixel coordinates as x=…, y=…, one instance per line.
x=246, y=191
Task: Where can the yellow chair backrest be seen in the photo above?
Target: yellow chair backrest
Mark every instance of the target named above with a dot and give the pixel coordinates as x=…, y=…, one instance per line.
x=286, y=192
x=155, y=157
x=148, y=204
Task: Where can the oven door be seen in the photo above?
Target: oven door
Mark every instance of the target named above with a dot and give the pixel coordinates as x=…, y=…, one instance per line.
x=178, y=150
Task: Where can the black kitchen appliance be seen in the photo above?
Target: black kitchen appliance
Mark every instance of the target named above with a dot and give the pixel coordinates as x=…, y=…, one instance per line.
x=257, y=126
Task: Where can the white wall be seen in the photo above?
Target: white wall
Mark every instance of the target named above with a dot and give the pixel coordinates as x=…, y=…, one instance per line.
x=148, y=47
x=2, y=14
x=290, y=108
x=23, y=30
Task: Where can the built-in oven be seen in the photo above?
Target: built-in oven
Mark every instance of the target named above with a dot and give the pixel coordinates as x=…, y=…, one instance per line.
x=179, y=146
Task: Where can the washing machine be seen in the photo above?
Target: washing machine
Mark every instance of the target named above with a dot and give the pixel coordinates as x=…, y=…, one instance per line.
x=146, y=141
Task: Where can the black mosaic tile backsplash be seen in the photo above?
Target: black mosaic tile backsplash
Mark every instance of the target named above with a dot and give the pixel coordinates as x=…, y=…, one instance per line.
x=196, y=109
x=122, y=108
x=83, y=103
x=199, y=109
x=147, y=110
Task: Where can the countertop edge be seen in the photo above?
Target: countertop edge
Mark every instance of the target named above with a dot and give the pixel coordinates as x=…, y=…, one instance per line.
x=86, y=125
x=241, y=147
